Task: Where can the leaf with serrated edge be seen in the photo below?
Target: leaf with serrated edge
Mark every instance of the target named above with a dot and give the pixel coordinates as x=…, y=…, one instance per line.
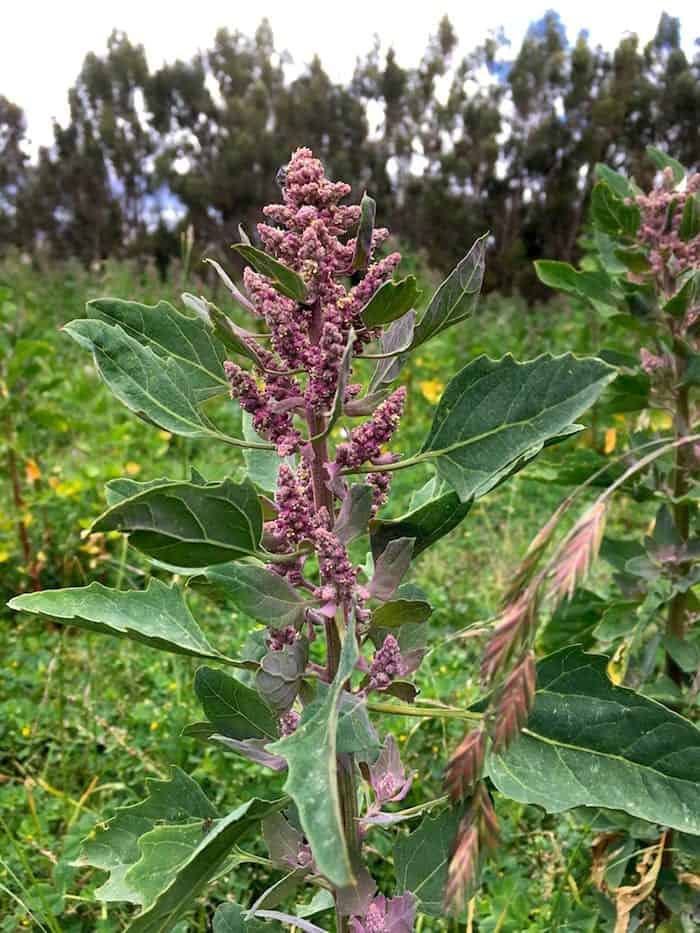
x=259, y=593
x=177, y=862
x=171, y=334
x=589, y=743
x=155, y=388
x=113, y=846
x=495, y=412
x=233, y=709
x=190, y=525
x=157, y=616
x=312, y=779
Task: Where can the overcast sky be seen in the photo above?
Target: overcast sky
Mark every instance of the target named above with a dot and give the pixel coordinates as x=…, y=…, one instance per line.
x=43, y=43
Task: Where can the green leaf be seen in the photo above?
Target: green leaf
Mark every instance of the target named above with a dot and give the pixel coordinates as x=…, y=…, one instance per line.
x=190, y=525
x=589, y=743
x=170, y=334
x=220, y=325
x=312, y=781
x=662, y=161
x=690, y=219
x=592, y=286
x=402, y=610
x=233, y=709
x=685, y=296
x=421, y=860
x=427, y=523
x=282, y=278
x=611, y=214
x=154, y=387
x=157, y=616
x=494, y=414
x=391, y=301
x=363, y=239
x=177, y=862
x=231, y=918
x=116, y=490
x=619, y=183
x=390, y=568
x=113, y=846
x=456, y=297
x=355, y=734
x=259, y=593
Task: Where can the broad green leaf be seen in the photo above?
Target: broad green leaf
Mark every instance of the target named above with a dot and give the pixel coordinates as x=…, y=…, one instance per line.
x=619, y=183
x=113, y=846
x=363, y=238
x=259, y=593
x=177, y=862
x=611, y=214
x=589, y=743
x=116, y=490
x=494, y=414
x=593, y=286
x=391, y=301
x=427, y=523
x=456, y=297
x=281, y=277
x=157, y=616
x=172, y=335
x=402, y=610
x=662, y=161
x=312, y=780
x=233, y=709
x=690, y=220
x=190, y=525
x=421, y=860
x=154, y=387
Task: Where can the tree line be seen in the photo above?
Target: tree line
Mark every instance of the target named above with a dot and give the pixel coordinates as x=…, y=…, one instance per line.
x=499, y=139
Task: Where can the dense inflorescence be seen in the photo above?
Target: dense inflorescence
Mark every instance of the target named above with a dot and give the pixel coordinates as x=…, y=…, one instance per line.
x=289, y=394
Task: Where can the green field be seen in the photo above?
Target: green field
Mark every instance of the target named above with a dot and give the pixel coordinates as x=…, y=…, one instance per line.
x=85, y=721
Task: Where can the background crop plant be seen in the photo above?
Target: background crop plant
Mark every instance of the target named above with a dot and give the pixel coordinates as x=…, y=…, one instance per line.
x=302, y=546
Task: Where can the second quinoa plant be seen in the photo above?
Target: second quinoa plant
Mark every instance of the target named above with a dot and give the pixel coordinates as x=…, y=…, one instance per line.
x=315, y=379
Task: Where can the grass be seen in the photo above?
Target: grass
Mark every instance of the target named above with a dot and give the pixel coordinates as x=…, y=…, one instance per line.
x=84, y=721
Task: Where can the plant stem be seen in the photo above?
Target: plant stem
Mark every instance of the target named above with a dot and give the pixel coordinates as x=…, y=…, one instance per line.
x=323, y=499
x=677, y=608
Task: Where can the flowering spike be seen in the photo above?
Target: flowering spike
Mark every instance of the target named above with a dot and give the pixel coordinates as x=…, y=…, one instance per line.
x=466, y=765
x=515, y=703
x=516, y=623
x=579, y=552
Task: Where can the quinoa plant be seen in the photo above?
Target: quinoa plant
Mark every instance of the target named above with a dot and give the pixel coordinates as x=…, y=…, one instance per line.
x=303, y=546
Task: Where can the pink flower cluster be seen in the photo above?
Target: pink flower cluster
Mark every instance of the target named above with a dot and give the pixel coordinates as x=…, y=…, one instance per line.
x=660, y=233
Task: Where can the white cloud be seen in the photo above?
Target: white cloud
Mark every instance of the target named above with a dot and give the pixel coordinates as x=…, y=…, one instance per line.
x=45, y=42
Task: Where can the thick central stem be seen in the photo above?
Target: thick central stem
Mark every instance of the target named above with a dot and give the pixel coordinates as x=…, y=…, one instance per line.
x=323, y=498
x=677, y=609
